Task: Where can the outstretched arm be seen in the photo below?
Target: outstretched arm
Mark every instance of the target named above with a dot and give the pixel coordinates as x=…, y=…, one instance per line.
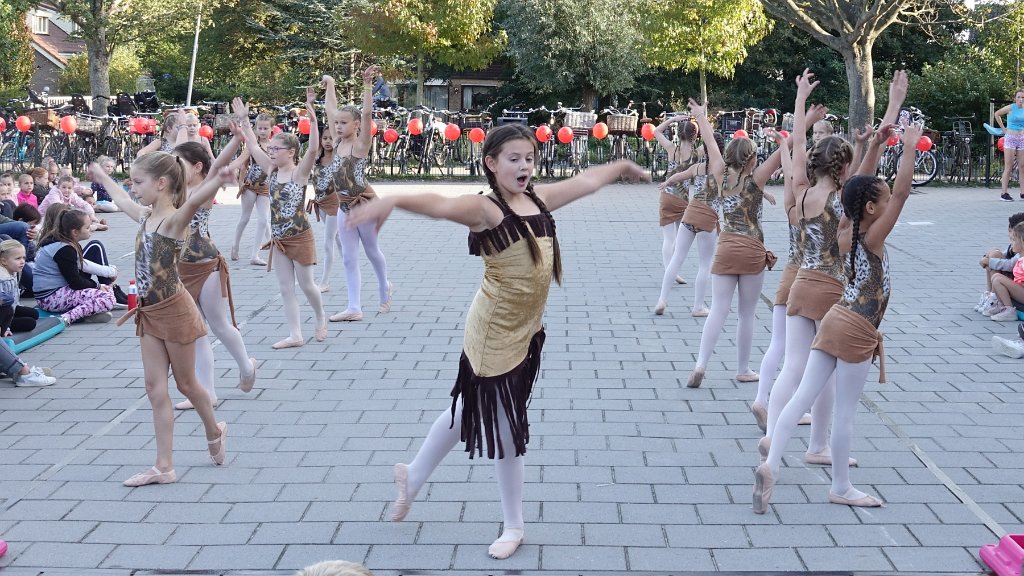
x=201, y=195
x=252, y=144
x=121, y=198
x=679, y=177
x=897, y=95
x=470, y=210
x=593, y=179
x=786, y=157
x=875, y=237
x=367, y=114
x=659, y=134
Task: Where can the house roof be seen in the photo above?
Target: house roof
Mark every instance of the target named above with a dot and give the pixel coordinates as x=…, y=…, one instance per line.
x=42, y=45
x=62, y=41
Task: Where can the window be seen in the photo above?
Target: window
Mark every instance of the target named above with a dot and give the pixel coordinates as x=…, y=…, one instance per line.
x=477, y=97
x=40, y=24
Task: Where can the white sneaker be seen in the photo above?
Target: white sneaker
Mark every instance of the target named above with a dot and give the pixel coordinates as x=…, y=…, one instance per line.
x=1007, y=314
x=1006, y=347
x=35, y=378
x=981, y=302
x=992, y=306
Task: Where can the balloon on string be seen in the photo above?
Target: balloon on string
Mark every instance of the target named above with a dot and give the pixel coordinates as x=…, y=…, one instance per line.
x=893, y=140
x=543, y=133
x=391, y=135
x=373, y=127
x=741, y=133
x=476, y=135
x=784, y=134
x=924, y=144
x=1001, y=143
x=452, y=132
x=565, y=134
x=23, y=124
x=415, y=126
x=304, y=126
x=68, y=124
x=206, y=132
x=3, y=124
x=600, y=130
x=647, y=131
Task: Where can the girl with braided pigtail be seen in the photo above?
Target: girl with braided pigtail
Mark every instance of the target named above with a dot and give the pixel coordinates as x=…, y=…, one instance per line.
x=513, y=231
x=848, y=338
x=740, y=257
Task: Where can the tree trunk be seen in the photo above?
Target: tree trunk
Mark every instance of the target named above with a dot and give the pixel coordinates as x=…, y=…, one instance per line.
x=419, y=78
x=99, y=72
x=589, y=99
x=703, y=86
x=860, y=76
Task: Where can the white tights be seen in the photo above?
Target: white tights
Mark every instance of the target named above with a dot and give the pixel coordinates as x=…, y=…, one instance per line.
x=508, y=470
x=684, y=238
x=215, y=309
x=288, y=273
x=849, y=379
x=722, y=289
x=800, y=332
x=262, y=233
x=350, y=239
x=773, y=355
x=331, y=241
x=668, y=242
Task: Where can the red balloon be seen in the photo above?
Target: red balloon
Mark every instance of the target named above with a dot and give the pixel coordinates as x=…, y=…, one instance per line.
x=893, y=140
x=452, y=132
x=275, y=130
x=151, y=126
x=206, y=132
x=3, y=124
x=647, y=131
x=415, y=126
x=741, y=133
x=373, y=127
x=391, y=135
x=543, y=133
x=23, y=124
x=1001, y=143
x=68, y=124
x=565, y=134
x=600, y=130
x=304, y=126
x=924, y=144
x=476, y=135
x=784, y=134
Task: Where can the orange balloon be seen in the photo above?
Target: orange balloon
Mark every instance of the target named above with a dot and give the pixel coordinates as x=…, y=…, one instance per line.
x=647, y=131
x=23, y=124
x=543, y=133
x=304, y=126
x=275, y=130
x=1001, y=143
x=391, y=135
x=600, y=130
x=206, y=132
x=565, y=134
x=415, y=126
x=741, y=133
x=476, y=135
x=68, y=124
x=924, y=144
x=452, y=132
x=373, y=127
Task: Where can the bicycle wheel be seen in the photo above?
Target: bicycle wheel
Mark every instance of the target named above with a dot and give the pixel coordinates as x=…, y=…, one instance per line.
x=925, y=167
x=7, y=154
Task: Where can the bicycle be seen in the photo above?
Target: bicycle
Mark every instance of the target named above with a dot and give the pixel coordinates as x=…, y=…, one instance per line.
x=925, y=162
x=621, y=125
x=955, y=153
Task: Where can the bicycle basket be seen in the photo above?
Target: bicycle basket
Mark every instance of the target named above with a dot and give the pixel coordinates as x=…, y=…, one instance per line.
x=622, y=123
x=221, y=123
x=44, y=119
x=579, y=119
x=472, y=121
x=88, y=126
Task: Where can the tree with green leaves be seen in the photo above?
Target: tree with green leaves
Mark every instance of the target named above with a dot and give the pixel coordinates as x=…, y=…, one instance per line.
x=15, y=50
x=461, y=38
x=107, y=24
x=703, y=36
x=125, y=69
x=852, y=28
x=592, y=47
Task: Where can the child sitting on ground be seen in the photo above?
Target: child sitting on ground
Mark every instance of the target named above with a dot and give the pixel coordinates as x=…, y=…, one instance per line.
x=13, y=318
x=102, y=199
x=1008, y=288
x=64, y=193
x=40, y=183
x=996, y=261
x=25, y=195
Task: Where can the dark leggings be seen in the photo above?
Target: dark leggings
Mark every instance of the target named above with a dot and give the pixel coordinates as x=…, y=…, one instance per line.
x=17, y=318
x=95, y=252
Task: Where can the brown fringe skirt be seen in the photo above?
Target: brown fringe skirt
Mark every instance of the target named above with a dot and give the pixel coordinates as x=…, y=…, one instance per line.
x=785, y=283
x=813, y=294
x=739, y=254
x=258, y=189
x=194, y=274
x=329, y=205
x=670, y=209
x=482, y=396
x=300, y=248
x=851, y=338
x=175, y=319
x=701, y=216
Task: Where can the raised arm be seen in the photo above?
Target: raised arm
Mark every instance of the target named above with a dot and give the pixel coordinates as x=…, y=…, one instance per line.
x=121, y=198
x=148, y=148
x=716, y=166
x=875, y=237
x=330, y=102
x=591, y=180
x=860, y=142
x=876, y=146
x=305, y=166
x=201, y=195
x=765, y=170
x=252, y=144
x=897, y=95
x=786, y=158
x=659, y=134
x=363, y=146
x=805, y=84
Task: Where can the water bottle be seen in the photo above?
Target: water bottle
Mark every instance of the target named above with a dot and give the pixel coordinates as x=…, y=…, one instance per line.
x=133, y=295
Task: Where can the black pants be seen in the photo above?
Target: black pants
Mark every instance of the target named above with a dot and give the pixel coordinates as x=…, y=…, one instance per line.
x=17, y=318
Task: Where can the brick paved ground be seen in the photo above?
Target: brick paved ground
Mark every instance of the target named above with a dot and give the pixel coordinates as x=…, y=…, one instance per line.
x=628, y=470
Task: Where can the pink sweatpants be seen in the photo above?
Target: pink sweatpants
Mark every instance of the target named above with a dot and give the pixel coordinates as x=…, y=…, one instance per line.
x=78, y=304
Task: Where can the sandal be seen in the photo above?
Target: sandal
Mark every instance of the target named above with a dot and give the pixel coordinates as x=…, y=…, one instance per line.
x=245, y=383
x=151, y=476
x=218, y=456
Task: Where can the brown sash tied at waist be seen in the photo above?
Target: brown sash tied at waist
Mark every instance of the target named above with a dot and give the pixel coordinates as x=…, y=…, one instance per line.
x=194, y=274
x=300, y=248
x=350, y=202
x=813, y=294
x=851, y=338
x=258, y=189
x=701, y=216
x=175, y=319
x=670, y=209
x=785, y=283
x=739, y=254
x=328, y=204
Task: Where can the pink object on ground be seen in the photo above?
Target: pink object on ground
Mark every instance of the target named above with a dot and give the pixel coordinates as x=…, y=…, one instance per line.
x=3, y=547
x=1005, y=557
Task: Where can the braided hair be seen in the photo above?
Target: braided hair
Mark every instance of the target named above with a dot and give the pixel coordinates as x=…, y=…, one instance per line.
x=828, y=157
x=737, y=154
x=496, y=140
x=857, y=192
